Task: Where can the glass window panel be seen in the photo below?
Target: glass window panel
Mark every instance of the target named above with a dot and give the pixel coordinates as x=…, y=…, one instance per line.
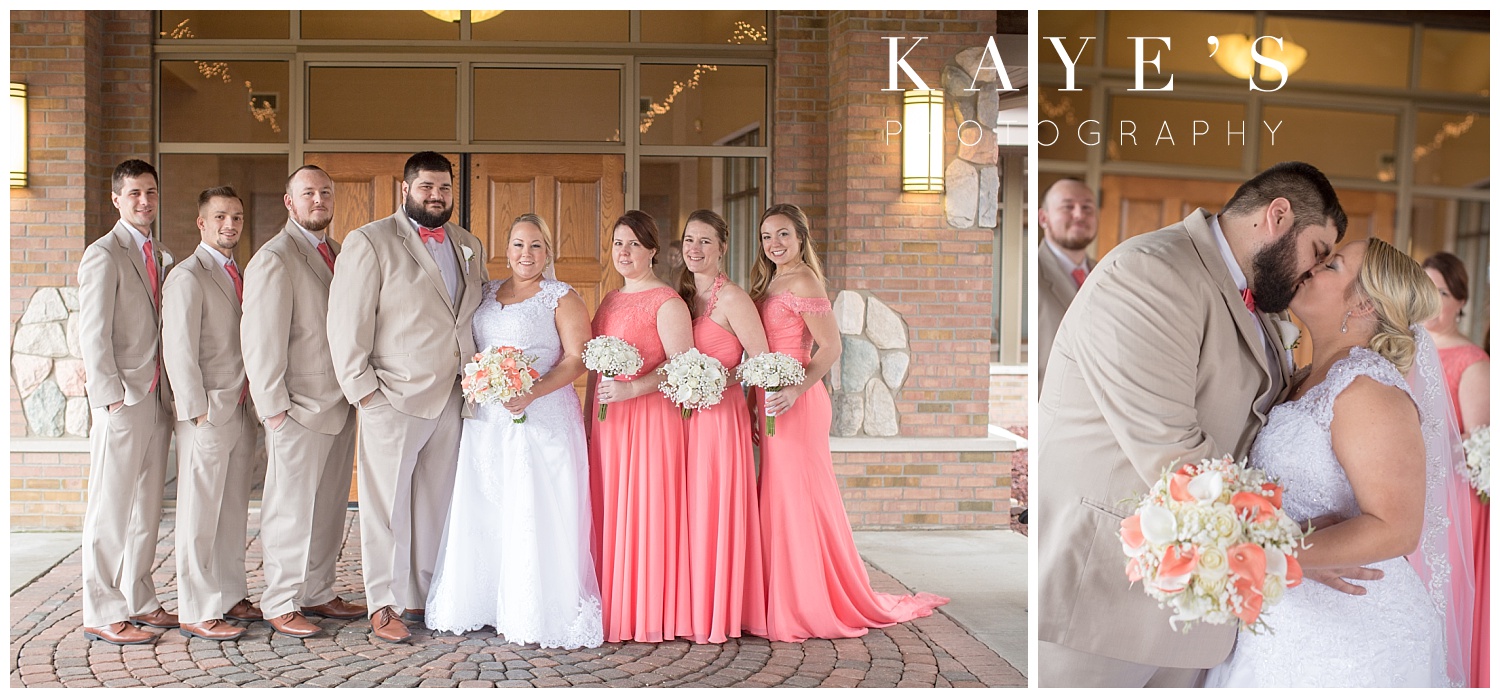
x=1068, y=111
x=700, y=104
x=555, y=25
x=379, y=103
x=225, y=24
x=1163, y=131
x=1348, y=53
x=1189, y=32
x=409, y=25
x=1455, y=61
x=223, y=101
x=1453, y=149
x=1072, y=25
x=1340, y=143
x=546, y=104
x=674, y=187
x=703, y=27
x=260, y=180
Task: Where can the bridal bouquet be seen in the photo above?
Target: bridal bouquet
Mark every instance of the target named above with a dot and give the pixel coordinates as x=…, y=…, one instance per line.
x=1477, y=461
x=693, y=380
x=498, y=375
x=771, y=371
x=610, y=357
x=1211, y=541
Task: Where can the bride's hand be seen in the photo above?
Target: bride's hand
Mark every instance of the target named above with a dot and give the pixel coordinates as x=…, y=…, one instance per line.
x=518, y=405
x=1337, y=578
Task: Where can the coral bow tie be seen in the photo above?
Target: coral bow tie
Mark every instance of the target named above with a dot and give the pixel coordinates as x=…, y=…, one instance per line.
x=1249, y=299
x=433, y=234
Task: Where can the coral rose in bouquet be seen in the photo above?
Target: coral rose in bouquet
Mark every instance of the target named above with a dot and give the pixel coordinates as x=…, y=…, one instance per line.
x=498, y=375
x=693, y=380
x=609, y=357
x=1212, y=544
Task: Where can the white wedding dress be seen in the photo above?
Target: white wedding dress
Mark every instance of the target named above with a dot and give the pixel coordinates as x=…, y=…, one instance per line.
x=515, y=551
x=1391, y=636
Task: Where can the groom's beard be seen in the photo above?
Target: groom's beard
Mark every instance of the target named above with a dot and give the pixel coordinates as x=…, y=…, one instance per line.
x=424, y=217
x=1276, y=277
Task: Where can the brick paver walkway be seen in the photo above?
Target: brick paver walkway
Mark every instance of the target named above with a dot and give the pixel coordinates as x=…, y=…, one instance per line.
x=48, y=649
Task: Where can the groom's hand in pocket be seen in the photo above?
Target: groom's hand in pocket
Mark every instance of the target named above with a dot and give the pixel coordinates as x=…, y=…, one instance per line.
x=1338, y=578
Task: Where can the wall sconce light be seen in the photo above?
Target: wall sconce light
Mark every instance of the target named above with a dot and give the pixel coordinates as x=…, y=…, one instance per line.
x=1233, y=56
x=18, y=139
x=922, y=141
x=475, y=16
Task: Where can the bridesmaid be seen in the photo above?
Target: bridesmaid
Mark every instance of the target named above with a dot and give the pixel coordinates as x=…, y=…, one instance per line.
x=816, y=584
x=1466, y=370
x=636, y=453
x=722, y=512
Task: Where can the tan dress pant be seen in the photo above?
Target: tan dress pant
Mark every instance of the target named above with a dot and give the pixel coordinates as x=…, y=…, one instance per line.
x=214, y=467
x=406, y=469
x=122, y=521
x=302, y=514
x=1064, y=667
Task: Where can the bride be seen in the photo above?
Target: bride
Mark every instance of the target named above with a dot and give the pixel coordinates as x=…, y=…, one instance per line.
x=515, y=551
x=1357, y=445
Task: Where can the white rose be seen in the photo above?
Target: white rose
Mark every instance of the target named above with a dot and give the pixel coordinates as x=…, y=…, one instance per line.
x=1213, y=563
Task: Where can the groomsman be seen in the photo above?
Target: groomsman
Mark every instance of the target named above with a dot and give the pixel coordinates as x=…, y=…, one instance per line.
x=1170, y=353
x=119, y=297
x=1070, y=221
x=399, y=325
x=215, y=434
x=309, y=425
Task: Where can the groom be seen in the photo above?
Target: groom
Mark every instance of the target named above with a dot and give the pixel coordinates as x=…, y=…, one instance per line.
x=1170, y=353
x=399, y=327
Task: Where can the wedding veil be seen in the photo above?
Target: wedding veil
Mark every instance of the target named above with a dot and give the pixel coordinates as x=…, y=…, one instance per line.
x=1444, y=559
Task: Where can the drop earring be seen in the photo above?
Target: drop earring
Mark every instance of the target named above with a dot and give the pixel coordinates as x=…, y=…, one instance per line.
x=1344, y=328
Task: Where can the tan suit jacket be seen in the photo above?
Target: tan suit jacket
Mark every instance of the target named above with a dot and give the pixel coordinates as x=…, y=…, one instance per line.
x=1054, y=293
x=1156, y=361
x=391, y=324
x=119, y=328
x=201, y=330
x=285, y=333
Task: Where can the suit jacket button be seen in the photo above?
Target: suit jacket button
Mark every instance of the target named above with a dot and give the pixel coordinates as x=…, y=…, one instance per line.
x=455, y=354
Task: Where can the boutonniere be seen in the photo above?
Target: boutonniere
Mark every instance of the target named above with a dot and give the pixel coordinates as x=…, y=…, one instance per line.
x=166, y=259
x=468, y=256
x=1290, y=335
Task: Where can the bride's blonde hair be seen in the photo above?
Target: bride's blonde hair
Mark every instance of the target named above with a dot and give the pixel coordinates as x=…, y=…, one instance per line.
x=1403, y=296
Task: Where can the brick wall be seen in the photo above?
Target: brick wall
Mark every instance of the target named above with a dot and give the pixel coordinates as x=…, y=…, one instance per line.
x=89, y=82
x=925, y=490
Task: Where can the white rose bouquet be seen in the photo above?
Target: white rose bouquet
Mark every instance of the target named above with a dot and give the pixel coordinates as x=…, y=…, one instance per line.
x=498, y=375
x=1211, y=542
x=609, y=357
x=693, y=380
x=771, y=371
x=1477, y=461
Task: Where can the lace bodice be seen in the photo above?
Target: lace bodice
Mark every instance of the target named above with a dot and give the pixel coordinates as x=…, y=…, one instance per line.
x=786, y=331
x=530, y=326
x=632, y=317
x=712, y=339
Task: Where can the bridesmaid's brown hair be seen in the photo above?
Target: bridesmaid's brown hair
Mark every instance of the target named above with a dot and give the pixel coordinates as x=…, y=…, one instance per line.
x=764, y=269
x=686, y=286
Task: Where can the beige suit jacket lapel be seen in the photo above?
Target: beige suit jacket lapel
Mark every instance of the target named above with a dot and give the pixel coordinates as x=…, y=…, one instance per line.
x=1208, y=250
x=418, y=251
x=310, y=253
x=219, y=276
x=126, y=241
x=1059, y=283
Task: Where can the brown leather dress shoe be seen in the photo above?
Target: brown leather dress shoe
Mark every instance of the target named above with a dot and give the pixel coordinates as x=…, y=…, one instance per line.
x=337, y=608
x=386, y=626
x=121, y=633
x=294, y=624
x=211, y=629
x=415, y=615
x=245, y=611
x=156, y=619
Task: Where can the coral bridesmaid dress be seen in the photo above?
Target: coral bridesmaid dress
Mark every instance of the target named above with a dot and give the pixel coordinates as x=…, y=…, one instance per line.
x=816, y=584
x=722, y=509
x=1455, y=360
x=636, y=477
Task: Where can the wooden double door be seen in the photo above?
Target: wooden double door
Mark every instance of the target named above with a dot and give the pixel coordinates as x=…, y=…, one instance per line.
x=579, y=196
